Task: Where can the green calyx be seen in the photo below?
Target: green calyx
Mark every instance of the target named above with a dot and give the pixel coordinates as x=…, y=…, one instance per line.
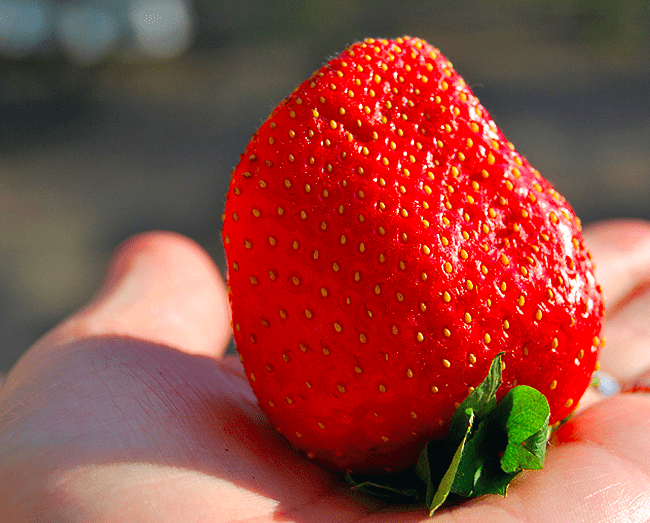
x=488, y=444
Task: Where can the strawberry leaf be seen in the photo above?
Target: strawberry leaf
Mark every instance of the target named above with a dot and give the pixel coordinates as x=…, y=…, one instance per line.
x=474, y=469
x=499, y=441
x=435, y=497
x=400, y=487
x=488, y=444
x=482, y=400
x=525, y=414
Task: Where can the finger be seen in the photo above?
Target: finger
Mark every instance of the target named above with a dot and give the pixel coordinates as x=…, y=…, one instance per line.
x=160, y=287
x=627, y=352
x=621, y=250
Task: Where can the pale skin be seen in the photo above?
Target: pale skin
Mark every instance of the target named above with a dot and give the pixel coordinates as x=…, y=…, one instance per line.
x=129, y=411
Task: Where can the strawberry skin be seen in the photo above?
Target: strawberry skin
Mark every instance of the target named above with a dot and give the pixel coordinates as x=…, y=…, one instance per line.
x=384, y=243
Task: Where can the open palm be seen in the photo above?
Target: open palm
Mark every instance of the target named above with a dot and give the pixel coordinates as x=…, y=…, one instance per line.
x=129, y=411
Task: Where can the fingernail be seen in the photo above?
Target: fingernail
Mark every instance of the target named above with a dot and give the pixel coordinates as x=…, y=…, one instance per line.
x=605, y=383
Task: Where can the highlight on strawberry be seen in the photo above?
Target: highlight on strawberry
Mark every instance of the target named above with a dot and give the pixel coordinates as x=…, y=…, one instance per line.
x=412, y=301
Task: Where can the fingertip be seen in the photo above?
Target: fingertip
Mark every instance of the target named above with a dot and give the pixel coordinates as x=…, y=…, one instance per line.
x=157, y=247
x=163, y=287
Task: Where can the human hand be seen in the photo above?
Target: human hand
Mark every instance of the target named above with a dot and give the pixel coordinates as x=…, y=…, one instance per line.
x=129, y=411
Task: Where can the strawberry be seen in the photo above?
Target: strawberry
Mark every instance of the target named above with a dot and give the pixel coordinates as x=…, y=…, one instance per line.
x=385, y=243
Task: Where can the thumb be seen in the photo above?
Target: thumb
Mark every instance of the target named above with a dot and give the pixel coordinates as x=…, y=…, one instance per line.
x=160, y=287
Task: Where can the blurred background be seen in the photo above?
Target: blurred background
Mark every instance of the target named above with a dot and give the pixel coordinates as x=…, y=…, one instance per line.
x=119, y=116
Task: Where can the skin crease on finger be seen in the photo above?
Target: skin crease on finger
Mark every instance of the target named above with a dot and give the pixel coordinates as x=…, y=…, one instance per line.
x=102, y=424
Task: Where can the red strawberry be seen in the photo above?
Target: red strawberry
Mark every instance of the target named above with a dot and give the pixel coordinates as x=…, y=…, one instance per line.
x=384, y=243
